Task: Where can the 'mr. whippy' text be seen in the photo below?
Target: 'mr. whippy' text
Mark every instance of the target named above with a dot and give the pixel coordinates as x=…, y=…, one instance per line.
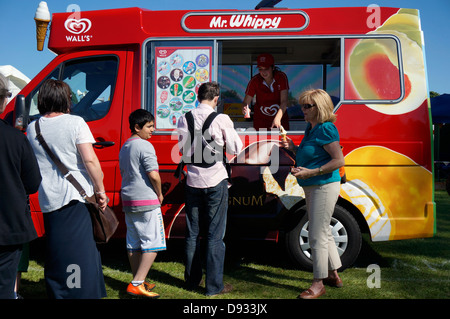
x=244, y=21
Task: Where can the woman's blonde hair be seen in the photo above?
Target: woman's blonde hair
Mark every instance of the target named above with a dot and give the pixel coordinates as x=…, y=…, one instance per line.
x=322, y=101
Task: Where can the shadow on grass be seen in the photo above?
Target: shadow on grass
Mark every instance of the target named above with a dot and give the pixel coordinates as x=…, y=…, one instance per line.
x=246, y=261
x=238, y=253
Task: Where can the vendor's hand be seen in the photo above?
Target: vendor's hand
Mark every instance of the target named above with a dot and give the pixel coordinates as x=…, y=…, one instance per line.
x=245, y=109
x=161, y=198
x=276, y=123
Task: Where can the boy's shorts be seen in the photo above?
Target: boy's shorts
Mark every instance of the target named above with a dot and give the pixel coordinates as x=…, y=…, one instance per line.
x=145, y=231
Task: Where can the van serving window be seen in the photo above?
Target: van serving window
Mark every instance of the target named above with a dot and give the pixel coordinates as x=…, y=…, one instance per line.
x=308, y=63
x=170, y=85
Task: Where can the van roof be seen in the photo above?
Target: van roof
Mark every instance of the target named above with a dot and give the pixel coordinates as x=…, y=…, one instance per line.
x=122, y=27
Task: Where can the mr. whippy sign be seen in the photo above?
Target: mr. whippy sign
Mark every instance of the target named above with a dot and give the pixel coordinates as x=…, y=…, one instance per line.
x=245, y=21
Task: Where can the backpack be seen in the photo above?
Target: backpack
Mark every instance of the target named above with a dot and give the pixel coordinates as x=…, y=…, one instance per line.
x=217, y=153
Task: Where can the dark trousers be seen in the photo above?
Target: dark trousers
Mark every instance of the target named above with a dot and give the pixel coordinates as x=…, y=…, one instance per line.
x=73, y=267
x=9, y=261
x=206, y=215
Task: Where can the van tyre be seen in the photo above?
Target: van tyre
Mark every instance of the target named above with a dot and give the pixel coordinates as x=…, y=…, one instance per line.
x=346, y=233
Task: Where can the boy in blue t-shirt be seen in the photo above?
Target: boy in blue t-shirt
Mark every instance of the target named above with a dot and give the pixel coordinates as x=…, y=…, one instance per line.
x=141, y=201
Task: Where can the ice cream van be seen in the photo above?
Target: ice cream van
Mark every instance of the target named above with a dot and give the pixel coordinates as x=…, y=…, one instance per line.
x=369, y=59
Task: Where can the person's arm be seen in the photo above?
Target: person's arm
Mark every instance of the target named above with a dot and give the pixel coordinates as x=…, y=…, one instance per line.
x=149, y=163
x=337, y=157
x=246, y=103
x=337, y=161
x=94, y=170
x=283, y=107
x=30, y=175
x=155, y=179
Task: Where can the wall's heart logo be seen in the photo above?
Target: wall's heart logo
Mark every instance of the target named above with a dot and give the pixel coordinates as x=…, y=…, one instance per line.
x=78, y=26
x=270, y=110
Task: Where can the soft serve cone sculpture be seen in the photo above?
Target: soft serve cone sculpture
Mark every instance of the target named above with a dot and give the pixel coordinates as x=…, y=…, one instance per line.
x=42, y=19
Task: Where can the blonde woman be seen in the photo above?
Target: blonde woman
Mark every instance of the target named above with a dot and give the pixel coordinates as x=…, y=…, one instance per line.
x=318, y=159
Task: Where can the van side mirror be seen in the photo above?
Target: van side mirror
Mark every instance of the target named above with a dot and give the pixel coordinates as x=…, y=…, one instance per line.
x=21, y=113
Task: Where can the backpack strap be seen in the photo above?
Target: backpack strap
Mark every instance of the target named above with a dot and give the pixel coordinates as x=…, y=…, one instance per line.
x=188, y=144
x=208, y=121
x=62, y=168
x=191, y=127
x=225, y=162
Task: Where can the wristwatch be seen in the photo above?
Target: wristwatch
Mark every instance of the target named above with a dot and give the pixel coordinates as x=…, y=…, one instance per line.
x=320, y=170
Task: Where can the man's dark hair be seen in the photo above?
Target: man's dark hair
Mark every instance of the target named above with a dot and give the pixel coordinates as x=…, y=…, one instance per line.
x=54, y=96
x=139, y=117
x=208, y=91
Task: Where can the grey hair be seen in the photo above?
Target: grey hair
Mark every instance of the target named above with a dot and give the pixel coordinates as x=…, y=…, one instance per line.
x=3, y=88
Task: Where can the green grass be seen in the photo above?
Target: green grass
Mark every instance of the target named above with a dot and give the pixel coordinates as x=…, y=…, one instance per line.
x=409, y=269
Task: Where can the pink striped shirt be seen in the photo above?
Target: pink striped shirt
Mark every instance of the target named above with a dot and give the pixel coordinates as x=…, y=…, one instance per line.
x=221, y=129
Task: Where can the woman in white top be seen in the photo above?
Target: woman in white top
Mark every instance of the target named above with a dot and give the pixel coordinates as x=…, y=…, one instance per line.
x=73, y=266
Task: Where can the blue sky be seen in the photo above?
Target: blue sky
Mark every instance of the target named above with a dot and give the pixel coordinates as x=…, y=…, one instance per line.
x=18, y=42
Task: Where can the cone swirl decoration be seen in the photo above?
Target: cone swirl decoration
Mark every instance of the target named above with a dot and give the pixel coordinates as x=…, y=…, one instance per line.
x=41, y=32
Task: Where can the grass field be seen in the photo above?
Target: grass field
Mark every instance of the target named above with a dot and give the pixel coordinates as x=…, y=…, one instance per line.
x=409, y=269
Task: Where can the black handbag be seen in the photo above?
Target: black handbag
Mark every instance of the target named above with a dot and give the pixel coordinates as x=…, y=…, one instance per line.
x=104, y=222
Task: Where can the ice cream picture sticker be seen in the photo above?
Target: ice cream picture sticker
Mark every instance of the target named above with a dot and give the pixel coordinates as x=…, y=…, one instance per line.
x=178, y=72
x=189, y=67
x=176, y=60
x=202, y=60
x=163, y=67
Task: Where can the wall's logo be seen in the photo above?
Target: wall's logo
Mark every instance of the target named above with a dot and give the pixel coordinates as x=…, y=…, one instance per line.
x=78, y=26
x=270, y=110
x=162, y=53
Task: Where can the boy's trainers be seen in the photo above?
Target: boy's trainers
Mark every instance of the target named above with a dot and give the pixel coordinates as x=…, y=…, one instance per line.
x=148, y=286
x=140, y=291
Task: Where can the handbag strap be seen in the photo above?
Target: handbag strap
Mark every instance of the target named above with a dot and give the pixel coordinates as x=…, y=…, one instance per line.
x=66, y=173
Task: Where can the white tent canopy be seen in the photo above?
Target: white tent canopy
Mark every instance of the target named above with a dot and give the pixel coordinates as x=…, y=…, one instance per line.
x=17, y=80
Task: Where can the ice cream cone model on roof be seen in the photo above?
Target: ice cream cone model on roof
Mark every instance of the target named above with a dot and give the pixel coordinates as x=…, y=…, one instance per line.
x=42, y=19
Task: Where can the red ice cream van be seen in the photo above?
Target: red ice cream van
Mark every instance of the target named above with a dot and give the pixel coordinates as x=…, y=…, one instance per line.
x=369, y=59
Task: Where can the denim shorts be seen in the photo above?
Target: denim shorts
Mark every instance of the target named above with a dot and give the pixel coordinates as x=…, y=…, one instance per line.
x=145, y=231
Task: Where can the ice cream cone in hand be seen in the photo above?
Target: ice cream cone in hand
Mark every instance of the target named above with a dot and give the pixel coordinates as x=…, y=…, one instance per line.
x=283, y=134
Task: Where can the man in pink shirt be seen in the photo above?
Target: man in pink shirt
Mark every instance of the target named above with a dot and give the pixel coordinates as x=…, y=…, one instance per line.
x=207, y=189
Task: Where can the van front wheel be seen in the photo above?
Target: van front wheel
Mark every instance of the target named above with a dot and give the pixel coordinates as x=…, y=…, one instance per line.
x=346, y=233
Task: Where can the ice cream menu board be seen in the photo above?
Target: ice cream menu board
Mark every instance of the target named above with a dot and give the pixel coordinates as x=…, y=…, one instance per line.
x=179, y=73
